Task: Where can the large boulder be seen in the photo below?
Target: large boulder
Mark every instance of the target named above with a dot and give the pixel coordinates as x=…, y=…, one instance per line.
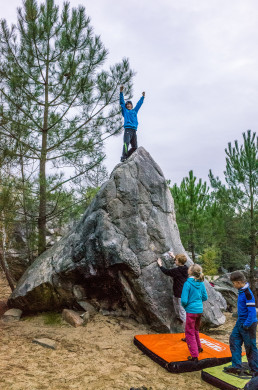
x=224, y=286
x=111, y=254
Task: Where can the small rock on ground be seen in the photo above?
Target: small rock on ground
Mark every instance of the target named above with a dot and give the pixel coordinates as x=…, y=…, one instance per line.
x=12, y=315
x=87, y=307
x=44, y=342
x=72, y=318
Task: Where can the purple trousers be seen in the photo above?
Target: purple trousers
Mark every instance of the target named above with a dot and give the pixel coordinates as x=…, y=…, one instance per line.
x=192, y=333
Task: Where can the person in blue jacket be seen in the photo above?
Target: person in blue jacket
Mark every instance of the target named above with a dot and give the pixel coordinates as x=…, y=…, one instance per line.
x=130, y=124
x=193, y=295
x=245, y=328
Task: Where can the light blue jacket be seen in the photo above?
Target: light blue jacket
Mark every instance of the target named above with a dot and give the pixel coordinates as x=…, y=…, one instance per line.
x=130, y=116
x=193, y=295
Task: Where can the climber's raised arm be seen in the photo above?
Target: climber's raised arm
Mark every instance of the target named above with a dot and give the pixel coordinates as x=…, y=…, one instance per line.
x=139, y=104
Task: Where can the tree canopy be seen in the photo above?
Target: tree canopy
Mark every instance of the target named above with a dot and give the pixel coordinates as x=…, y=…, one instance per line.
x=58, y=101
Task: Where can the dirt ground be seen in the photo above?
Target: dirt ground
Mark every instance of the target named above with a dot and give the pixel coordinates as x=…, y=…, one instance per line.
x=100, y=356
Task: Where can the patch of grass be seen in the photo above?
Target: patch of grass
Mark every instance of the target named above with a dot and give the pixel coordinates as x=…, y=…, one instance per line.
x=29, y=317
x=52, y=318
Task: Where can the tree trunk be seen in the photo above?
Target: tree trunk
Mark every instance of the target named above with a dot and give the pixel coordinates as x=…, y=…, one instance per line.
x=6, y=270
x=3, y=261
x=42, y=197
x=192, y=246
x=192, y=251
x=30, y=256
x=42, y=221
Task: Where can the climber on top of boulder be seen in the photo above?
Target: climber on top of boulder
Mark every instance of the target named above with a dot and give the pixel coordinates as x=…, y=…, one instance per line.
x=130, y=124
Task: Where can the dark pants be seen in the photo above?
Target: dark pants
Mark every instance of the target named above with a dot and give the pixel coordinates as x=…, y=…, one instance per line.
x=192, y=337
x=239, y=336
x=130, y=137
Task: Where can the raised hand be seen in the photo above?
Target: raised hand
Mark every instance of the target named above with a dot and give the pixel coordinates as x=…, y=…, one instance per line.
x=121, y=88
x=143, y=94
x=159, y=261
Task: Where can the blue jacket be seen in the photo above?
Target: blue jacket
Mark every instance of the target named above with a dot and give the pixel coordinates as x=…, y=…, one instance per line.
x=246, y=306
x=130, y=116
x=193, y=294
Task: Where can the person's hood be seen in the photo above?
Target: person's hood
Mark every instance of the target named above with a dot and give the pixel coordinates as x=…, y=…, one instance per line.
x=194, y=282
x=241, y=290
x=129, y=101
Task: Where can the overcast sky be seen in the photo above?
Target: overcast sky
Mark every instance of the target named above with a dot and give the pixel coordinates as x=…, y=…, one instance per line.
x=197, y=60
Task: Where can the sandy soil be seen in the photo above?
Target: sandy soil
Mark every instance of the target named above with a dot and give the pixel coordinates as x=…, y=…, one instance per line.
x=100, y=356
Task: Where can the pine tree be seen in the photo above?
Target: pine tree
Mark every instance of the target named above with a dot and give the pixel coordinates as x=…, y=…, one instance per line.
x=58, y=103
x=227, y=225
x=209, y=260
x=190, y=201
x=242, y=177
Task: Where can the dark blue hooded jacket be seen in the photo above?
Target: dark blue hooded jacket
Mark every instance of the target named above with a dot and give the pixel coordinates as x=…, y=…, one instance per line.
x=246, y=306
x=130, y=116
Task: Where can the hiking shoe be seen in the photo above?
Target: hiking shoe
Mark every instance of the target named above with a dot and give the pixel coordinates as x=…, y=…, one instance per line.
x=250, y=372
x=200, y=350
x=192, y=359
x=232, y=370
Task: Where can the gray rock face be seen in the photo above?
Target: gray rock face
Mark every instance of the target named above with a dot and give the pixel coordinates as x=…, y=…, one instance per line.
x=225, y=287
x=112, y=253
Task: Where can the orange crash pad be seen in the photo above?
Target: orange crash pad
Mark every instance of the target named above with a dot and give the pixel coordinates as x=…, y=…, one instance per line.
x=171, y=352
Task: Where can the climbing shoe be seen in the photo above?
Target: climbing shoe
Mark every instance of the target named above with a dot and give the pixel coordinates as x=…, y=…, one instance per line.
x=232, y=370
x=250, y=372
x=192, y=359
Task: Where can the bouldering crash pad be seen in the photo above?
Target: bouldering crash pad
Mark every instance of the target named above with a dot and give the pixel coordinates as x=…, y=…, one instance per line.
x=171, y=352
x=217, y=377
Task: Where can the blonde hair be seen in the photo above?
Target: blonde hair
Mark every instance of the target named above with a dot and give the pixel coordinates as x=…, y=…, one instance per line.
x=195, y=270
x=181, y=258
